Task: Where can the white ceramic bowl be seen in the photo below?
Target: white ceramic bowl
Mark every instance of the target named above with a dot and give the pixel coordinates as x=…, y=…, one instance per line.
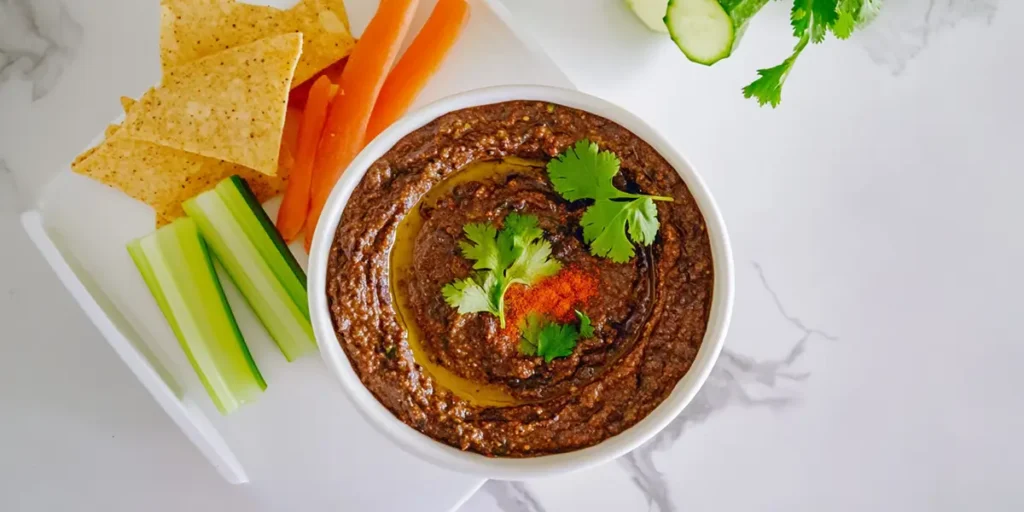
x=509, y=468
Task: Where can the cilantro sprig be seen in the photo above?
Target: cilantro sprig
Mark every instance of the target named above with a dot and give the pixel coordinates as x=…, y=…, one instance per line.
x=811, y=20
x=584, y=172
x=516, y=254
x=545, y=338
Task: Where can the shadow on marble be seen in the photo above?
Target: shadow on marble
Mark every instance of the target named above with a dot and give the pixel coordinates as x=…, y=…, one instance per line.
x=905, y=27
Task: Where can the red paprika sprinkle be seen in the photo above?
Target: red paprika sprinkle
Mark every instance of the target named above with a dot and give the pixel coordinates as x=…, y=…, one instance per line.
x=558, y=297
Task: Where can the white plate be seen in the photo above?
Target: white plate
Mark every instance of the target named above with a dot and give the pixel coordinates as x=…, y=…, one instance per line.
x=302, y=439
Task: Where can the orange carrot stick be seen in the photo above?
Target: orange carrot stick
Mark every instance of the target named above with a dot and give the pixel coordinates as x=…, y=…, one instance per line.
x=419, y=62
x=295, y=204
x=297, y=98
x=361, y=81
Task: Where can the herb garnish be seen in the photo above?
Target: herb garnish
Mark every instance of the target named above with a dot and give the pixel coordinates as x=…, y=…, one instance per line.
x=811, y=21
x=516, y=254
x=583, y=172
x=547, y=339
x=586, y=330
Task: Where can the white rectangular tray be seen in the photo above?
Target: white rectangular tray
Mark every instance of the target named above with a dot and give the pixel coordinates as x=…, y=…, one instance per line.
x=301, y=442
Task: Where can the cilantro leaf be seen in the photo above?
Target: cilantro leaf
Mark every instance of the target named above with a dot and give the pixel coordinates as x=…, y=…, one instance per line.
x=811, y=21
x=800, y=17
x=529, y=330
x=542, y=337
x=519, y=232
x=642, y=220
x=823, y=16
x=467, y=296
x=768, y=87
x=533, y=264
x=583, y=172
x=586, y=329
x=605, y=225
x=814, y=17
x=484, y=247
x=556, y=340
x=844, y=25
x=849, y=11
x=522, y=228
x=516, y=254
x=604, y=228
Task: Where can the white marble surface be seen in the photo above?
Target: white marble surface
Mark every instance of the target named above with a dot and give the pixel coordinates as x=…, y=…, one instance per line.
x=873, y=362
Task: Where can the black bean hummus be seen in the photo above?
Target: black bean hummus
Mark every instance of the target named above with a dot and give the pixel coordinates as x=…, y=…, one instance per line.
x=461, y=378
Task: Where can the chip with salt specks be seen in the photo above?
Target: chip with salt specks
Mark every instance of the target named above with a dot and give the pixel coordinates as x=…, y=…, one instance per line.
x=87, y=153
x=230, y=105
x=192, y=29
x=164, y=177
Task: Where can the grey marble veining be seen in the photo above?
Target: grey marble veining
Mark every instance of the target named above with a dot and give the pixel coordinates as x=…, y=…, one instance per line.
x=905, y=27
x=38, y=39
x=737, y=380
x=513, y=496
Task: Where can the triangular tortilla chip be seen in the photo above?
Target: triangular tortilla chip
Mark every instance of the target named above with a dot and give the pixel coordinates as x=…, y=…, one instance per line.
x=127, y=103
x=163, y=177
x=84, y=154
x=229, y=105
x=191, y=29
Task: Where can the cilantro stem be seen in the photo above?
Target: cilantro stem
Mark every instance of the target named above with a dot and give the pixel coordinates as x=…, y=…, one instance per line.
x=627, y=195
x=501, y=306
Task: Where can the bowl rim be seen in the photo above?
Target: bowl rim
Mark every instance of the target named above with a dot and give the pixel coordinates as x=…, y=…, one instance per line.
x=425, y=447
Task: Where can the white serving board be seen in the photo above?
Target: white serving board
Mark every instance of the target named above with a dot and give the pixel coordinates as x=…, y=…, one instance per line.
x=301, y=442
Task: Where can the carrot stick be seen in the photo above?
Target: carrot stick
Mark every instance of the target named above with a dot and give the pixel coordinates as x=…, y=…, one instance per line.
x=361, y=81
x=295, y=204
x=419, y=62
x=297, y=98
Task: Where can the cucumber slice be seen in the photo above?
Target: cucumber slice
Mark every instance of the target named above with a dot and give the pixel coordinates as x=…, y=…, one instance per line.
x=707, y=31
x=246, y=243
x=176, y=266
x=651, y=12
x=702, y=29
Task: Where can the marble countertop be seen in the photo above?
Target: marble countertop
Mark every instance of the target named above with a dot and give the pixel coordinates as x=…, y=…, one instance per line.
x=875, y=352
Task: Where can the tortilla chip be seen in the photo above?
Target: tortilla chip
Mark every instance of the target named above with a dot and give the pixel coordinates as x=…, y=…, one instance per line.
x=82, y=156
x=163, y=177
x=191, y=29
x=229, y=105
x=127, y=103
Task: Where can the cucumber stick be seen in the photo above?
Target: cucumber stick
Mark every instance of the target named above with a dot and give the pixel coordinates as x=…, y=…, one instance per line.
x=651, y=12
x=246, y=243
x=176, y=265
x=707, y=31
